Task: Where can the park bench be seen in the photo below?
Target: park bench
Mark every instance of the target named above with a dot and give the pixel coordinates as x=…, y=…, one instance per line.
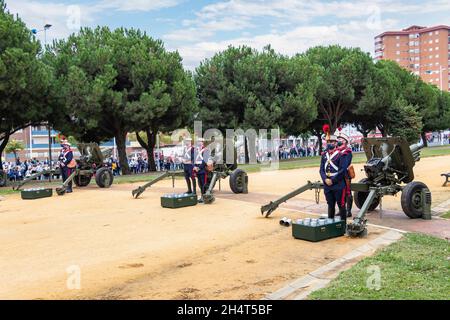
x=447, y=176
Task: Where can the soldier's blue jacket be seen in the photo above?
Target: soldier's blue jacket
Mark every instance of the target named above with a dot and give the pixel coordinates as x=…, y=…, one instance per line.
x=332, y=166
x=66, y=156
x=202, y=157
x=347, y=159
x=189, y=155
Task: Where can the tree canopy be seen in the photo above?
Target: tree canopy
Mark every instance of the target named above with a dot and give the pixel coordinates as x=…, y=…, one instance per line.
x=115, y=82
x=25, y=81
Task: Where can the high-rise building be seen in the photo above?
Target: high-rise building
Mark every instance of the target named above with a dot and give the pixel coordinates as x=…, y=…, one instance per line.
x=422, y=50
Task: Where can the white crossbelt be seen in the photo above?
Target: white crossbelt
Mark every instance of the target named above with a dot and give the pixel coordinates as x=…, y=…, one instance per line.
x=329, y=158
x=199, y=158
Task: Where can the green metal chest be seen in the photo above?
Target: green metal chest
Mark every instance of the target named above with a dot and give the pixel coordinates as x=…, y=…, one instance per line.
x=178, y=200
x=318, y=233
x=36, y=193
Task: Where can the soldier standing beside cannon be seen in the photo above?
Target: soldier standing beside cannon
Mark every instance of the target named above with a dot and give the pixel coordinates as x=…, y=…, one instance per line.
x=346, y=154
x=67, y=163
x=332, y=171
x=201, y=161
x=188, y=166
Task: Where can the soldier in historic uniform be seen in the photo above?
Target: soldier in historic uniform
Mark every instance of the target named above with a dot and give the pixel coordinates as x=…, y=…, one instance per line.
x=346, y=155
x=188, y=160
x=201, y=161
x=332, y=172
x=66, y=163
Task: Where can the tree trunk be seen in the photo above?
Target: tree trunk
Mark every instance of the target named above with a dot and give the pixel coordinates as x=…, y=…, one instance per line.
x=2, y=148
x=247, y=158
x=149, y=147
x=424, y=139
x=319, y=137
x=122, y=150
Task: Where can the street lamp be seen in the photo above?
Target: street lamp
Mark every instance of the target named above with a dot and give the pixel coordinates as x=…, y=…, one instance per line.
x=441, y=69
x=35, y=31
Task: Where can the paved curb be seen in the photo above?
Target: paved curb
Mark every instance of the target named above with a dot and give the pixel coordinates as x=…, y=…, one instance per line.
x=441, y=208
x=321, y=277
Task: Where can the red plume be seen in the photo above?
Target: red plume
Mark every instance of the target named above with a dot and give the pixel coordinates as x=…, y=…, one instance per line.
x=326, y=129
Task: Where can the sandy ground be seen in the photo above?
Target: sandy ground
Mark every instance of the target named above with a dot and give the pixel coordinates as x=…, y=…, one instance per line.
x=134, y=249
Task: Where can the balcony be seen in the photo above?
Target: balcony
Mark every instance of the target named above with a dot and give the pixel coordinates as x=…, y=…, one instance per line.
x=43, y=132
x=44, y=146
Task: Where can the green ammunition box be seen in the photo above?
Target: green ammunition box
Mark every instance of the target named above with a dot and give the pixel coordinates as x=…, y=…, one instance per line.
x=36, y=193
x=178, y=200
x=318, y=233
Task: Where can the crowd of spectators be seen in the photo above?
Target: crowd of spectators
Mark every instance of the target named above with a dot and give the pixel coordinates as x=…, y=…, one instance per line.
x=18, y=170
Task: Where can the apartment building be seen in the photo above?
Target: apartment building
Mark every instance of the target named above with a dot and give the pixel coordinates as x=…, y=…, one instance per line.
x=36, y=142
x=425, y=51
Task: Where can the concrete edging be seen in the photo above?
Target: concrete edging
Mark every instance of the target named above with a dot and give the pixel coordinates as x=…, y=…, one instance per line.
x=321, y=277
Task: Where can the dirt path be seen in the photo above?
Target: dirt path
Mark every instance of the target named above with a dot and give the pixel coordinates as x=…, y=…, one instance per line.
x=135, y=249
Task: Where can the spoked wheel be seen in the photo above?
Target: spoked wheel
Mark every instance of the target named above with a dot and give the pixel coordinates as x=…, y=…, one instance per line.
x=104, y=177
x=360, y=197
x=238, y=181
x=82, y=180
x=412, y=199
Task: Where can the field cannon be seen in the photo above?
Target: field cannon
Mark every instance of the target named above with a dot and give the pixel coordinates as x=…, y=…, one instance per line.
x=217, y=171
x=90, y=164
x=389, y=170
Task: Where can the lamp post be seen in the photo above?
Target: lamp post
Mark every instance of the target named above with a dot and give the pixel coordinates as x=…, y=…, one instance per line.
x=35, y=31
x=441, y=69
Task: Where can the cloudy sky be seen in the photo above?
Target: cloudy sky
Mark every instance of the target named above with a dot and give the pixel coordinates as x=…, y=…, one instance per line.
x=198, y=29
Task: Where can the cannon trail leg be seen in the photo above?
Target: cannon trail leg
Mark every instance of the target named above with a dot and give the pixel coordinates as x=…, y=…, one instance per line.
x=358, y=226
x=139, y=190
x=273, y=205
x=208, y=197
x=32, y=177
x=62, y=190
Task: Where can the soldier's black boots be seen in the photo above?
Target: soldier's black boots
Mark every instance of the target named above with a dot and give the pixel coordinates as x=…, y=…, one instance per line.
x=349, y=205
x=188, y=182
x=191, y=186
x=331, y=212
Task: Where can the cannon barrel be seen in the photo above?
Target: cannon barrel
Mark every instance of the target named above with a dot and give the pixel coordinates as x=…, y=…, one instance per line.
x=416, y=147
x=415, y=150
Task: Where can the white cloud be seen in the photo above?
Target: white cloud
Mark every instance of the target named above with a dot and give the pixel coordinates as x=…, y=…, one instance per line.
x=138, y=5
x=352, y=34
x=295, y=25
x=36, y=14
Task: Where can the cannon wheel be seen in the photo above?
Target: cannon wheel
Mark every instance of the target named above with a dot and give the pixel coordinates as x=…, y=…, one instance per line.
x=237, y=181
x=104, y=177
x=2, y=178
x=82, y=180
x=412, y=199
x=361, y=196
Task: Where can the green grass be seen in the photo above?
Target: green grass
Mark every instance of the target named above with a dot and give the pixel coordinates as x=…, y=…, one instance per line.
x=446, y=215
x=435, y=151
x=7, y=190
x=135, y=178
x=417, y=267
